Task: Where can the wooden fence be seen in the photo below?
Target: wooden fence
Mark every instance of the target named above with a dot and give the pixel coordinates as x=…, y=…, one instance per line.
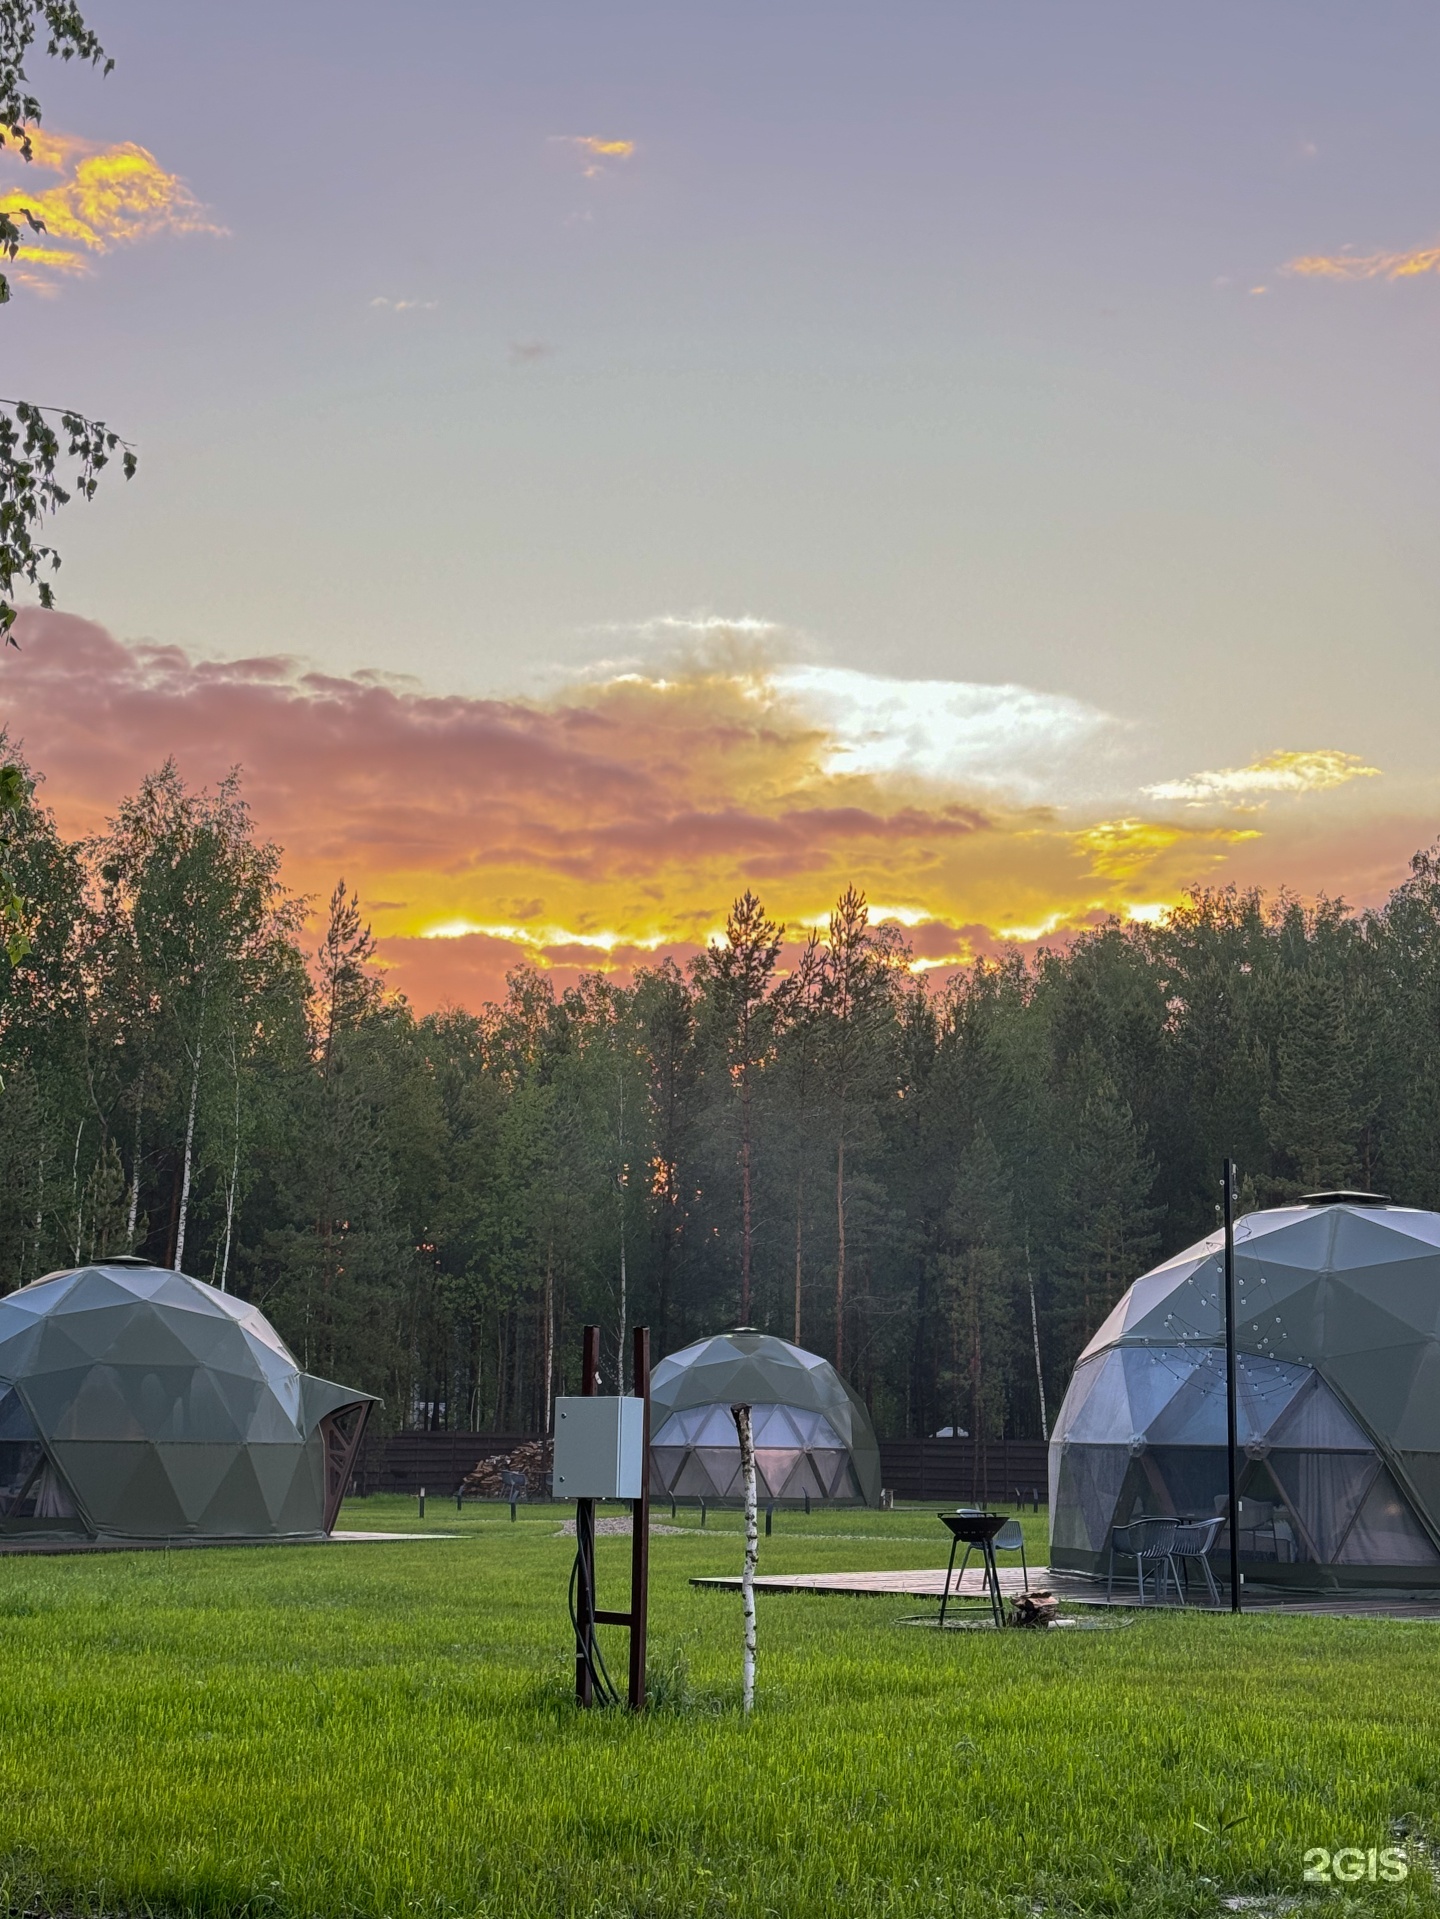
x=944, y=1469
x=951, y=1469
x=404, y=1462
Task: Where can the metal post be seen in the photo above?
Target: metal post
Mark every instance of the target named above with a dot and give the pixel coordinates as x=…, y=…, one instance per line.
x=422, y=1502
x=702, y=1513
x=1231, y=1422
x=640, y=1533
x=769, y=1516
x=585, y=1543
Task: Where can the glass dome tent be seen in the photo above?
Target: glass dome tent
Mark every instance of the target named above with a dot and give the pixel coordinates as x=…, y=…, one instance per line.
x=812, y=1433
x=1338, y=1391
x=137, y=1404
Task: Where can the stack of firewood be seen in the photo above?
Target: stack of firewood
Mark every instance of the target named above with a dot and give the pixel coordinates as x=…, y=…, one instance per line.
x=532, y=1461
x=1034, y=1609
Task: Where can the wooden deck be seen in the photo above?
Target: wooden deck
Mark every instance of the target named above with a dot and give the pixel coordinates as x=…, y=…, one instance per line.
x=929, y=1582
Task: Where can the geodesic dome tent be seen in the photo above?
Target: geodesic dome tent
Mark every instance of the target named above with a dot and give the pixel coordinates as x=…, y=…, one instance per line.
x=139, y=1404
x=1338, y=1391
x=812, y=1433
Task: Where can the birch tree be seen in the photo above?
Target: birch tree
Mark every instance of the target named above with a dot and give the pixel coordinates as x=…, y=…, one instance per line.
x=743, y=1428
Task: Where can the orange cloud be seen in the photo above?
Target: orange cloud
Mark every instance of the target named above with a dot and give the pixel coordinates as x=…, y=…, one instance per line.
x=1366, y=266
x=613, y=823
x=104, y=197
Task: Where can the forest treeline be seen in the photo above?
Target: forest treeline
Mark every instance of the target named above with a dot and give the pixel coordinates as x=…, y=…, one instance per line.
x=942, y=1187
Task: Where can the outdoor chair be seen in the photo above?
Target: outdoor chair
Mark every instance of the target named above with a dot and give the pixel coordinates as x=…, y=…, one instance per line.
x=1149, y=1542
x=1009, y=1539
x=1195, y=1539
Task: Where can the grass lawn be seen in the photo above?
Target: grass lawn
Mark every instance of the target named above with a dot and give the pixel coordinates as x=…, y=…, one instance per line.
x=387, y=1729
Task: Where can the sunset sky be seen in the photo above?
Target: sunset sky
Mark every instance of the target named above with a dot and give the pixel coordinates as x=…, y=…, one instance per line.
x=593, y=459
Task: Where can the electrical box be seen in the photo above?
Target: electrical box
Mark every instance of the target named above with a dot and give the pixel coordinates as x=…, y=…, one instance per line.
x=599, y=1448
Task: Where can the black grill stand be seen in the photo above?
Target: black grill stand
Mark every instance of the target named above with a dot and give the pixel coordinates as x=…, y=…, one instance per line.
x=975, y=1530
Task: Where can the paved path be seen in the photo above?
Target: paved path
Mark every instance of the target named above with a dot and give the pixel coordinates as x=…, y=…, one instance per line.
x=355, y=1539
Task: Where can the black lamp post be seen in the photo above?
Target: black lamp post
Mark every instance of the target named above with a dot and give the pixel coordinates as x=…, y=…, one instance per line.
x=1231, y=1460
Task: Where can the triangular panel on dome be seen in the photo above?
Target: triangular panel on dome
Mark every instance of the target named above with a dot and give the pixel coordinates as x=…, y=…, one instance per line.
x=1371, y=1236
x=833, y=1468
x=296, y=1512
x=1316, y=1419
x=776, y=1426
x=692, y=1480
x=275, y=1468
x=773, y=1466
x=93, y=1290
x=1379, y=1384
x=1091, y=1479
x=237, y=1508
x=1386, y=1531
x=806, y=1480
x=1325, y=1490
x=142, y=1337
x=194, y=1473
x=152, y=1506
x=62, y=1345
x=722, y=1466
x=101, y=1474
x=93, y=1404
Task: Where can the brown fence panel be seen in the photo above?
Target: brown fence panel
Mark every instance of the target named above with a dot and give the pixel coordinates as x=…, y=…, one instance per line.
x=948, y=1470
x=953, y=1469
x=404, y=1462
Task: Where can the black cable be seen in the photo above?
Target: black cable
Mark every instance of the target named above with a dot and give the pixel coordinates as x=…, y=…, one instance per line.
x=586, y=1643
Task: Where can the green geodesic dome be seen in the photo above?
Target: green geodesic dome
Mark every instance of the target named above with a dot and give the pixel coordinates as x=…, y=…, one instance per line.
x=138, y=1404
x=1338, y=1391
x=812, y=1433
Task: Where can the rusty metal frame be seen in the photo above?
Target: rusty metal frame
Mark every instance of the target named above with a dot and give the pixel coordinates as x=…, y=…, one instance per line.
x=340, y=1451
x=587, y=1614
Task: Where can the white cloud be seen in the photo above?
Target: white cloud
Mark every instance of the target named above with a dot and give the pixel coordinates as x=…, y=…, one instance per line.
x=1283, y=772
x=1006, y=737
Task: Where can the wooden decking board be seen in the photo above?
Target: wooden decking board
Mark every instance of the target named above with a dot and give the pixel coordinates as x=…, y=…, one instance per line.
x=928, y=1582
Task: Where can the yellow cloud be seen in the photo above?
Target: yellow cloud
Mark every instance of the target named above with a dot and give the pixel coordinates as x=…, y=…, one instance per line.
x=104, y=197
x=1304, y=772
x=1128, y=850
x=1366, y=266
x=596, y=151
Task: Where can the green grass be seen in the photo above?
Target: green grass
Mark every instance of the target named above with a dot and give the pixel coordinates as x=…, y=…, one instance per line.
x=387, y=1729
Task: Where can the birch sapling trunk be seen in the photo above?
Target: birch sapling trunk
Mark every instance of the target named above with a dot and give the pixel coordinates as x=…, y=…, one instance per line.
x=799, y=1244
x=190, y=1134
x=549, y=1338
x=840, y=1255
x=135, y=1169
x=1035, y=1336
x=234, y=1182
x=741, y=1416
